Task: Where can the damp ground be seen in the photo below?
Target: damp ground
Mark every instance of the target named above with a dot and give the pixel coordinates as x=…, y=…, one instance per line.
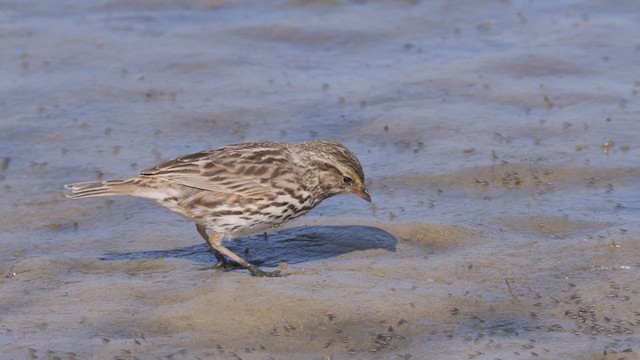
x=499, y=140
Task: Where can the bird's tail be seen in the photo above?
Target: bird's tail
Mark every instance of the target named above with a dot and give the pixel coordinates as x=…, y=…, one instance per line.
x=99, y=188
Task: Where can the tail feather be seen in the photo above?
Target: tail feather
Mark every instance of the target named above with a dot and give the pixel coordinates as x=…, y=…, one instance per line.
x=97, y=188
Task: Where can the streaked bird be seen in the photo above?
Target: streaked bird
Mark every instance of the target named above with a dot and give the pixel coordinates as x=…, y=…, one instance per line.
x=243, y=188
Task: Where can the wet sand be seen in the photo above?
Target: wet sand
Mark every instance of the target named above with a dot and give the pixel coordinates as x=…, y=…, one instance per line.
x=499, y=140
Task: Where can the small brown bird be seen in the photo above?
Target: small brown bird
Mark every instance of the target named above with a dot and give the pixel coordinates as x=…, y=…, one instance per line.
x=243, y=188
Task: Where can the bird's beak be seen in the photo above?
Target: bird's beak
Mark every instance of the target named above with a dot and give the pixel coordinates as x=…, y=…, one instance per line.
x=361, y=192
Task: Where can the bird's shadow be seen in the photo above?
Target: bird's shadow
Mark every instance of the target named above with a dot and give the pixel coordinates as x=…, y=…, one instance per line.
x=291, y=246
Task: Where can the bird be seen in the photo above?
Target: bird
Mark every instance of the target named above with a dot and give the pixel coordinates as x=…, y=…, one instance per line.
x=242, y=189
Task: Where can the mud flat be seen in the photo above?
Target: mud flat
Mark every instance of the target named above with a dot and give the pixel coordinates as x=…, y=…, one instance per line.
x=499, y=140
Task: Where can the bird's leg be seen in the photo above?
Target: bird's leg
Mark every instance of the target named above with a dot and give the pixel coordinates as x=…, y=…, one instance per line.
x=222, y=261
x=215, y=241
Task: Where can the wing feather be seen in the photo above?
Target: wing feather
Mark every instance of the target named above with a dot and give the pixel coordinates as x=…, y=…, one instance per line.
x=221, y=171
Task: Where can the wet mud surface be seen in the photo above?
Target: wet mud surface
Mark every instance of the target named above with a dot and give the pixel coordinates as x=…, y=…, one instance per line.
x=499, y=140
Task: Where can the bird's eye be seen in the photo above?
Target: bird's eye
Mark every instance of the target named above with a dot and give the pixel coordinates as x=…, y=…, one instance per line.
x=347, y=180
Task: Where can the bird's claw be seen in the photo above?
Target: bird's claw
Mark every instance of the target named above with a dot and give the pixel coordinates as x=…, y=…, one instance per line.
x=225, y=266
x=255, y=271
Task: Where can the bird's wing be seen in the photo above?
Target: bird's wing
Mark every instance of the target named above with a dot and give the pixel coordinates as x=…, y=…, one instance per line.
x=218, y=172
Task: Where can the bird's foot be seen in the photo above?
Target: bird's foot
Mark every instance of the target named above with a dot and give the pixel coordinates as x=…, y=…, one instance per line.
x=225, y=265
x=255, y=271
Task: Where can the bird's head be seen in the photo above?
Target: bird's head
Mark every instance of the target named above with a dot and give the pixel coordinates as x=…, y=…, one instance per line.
x=338, y=169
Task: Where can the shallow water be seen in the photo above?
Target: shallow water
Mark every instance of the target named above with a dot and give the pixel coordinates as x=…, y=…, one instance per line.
x=499, y=140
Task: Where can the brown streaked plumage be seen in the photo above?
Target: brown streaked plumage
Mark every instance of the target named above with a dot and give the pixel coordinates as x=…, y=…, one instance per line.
x=243, y=188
